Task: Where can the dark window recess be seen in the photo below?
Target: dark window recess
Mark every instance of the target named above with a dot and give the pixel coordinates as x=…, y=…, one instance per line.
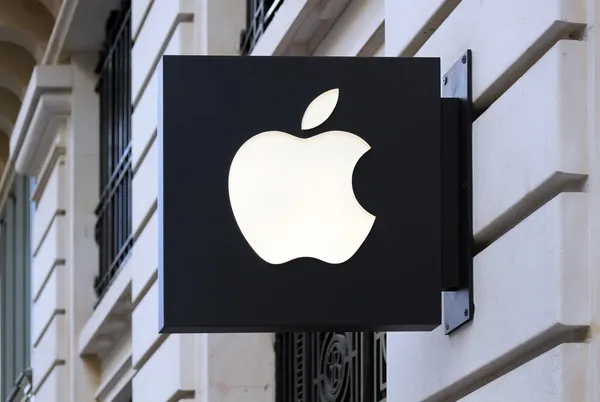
x=113, y=227
x=15, y=289
x=331, y=367
x=259, y=14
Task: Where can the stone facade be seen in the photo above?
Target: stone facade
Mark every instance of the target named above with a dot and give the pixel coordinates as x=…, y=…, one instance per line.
x=536, y=190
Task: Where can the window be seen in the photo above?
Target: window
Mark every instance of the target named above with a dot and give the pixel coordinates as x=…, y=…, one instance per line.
x=259, y=14
x=15, y=291
x=113, y=227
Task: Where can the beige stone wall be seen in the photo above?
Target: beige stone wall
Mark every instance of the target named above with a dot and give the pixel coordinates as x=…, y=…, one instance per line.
x=529, y=340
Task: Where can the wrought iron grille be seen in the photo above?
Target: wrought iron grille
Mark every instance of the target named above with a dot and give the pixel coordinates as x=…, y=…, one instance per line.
x=259, y=14
x=331, y=367
x=113, y=227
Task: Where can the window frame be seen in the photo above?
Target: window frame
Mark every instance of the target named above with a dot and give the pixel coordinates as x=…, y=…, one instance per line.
x=15, y=286
x=259, y=14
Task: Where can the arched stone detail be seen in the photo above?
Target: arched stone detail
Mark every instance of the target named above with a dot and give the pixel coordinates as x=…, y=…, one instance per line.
x=4, y=149
x=26, y=23
x=9, y=109
x=53, y=6
x=16, y=65
x=25, y=28
x=5, y=124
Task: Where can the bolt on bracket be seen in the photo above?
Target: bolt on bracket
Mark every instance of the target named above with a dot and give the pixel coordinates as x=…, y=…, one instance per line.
x=457, y=251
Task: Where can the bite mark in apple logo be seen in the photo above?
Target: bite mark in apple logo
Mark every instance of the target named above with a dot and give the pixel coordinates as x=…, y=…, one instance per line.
x=293, y=197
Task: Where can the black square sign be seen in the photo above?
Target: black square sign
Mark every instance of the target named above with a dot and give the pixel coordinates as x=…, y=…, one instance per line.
x=299, y=194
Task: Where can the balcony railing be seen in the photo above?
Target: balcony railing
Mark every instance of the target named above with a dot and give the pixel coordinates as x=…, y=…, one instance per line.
x=259, y=14
x=113, y=227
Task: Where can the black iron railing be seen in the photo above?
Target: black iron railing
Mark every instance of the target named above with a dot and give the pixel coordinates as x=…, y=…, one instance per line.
x=113, y=227
x=259, y=14
x=331, y=367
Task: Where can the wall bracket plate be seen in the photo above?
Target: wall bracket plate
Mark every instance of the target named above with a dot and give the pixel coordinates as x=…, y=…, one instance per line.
x=457, y=122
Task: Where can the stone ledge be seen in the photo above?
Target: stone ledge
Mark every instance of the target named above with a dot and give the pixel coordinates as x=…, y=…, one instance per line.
x=531, y=143
x=559, y=375
x=531, y=294
x=358, y=31
x=50, y=352
x=54, y=157
x=298, y=27
x=164, y=17
x=506, y=37
x=44, y=79
x=139, y=13
x=411, y=24
x=172, y=363
x=114, y=381
x=54, y=388
x=46, y=103
x=51, y=113
x=111, y=318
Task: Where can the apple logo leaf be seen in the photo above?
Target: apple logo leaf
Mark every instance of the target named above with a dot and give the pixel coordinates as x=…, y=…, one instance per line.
x=320, y=109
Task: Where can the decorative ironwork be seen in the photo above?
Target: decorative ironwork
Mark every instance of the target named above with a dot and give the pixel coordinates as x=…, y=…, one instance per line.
x=113, y=227
x=259, y=14
x=331, y=367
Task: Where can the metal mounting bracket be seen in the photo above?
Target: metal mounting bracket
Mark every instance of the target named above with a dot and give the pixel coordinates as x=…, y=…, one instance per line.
x=457, y=267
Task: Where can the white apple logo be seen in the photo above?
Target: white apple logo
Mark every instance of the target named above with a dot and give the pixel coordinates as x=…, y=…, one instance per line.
x=293, y=197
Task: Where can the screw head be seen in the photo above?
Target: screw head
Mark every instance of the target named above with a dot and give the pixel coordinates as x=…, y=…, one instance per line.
x=466, y=312
x=447, y=326
x=445, y=80
x=464, y=59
